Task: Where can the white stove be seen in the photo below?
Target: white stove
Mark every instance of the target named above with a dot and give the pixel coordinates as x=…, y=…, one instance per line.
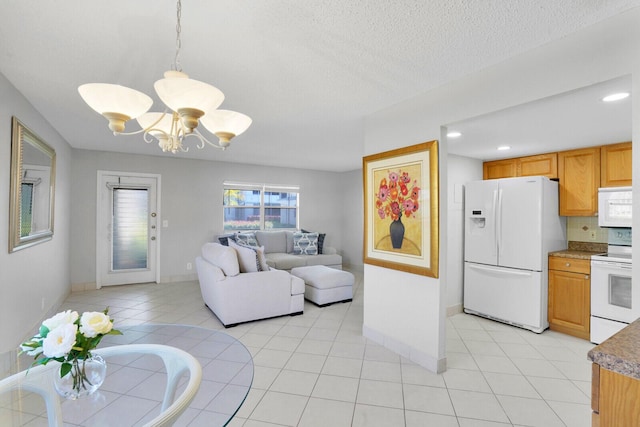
x=616, y=253
x=613, y=303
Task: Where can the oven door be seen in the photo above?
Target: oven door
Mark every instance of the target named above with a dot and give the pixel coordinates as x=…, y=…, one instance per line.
x=611, y=293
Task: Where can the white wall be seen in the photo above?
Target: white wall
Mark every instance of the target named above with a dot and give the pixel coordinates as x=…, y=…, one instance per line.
x=460, y=171
x=407, y=312
x=192, y=203
x=352, y=217
x=39, y=273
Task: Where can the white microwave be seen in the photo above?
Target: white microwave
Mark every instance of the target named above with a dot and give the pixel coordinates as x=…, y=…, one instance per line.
x=614, y=207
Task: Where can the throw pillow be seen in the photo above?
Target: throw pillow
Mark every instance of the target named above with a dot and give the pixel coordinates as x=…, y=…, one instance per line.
x=248, y=239
x=305, y=243
x=247, y=258
x=321, y=237
x=224, y=240
x=222, y=257
x=262, y=260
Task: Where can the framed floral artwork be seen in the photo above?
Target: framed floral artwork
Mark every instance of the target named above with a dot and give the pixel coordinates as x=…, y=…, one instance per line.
x=401, y=209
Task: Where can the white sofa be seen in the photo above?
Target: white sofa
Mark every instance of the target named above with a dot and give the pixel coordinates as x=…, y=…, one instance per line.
x=278, y=250
x=236, y=297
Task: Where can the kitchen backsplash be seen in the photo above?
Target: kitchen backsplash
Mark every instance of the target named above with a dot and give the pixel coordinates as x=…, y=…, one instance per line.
x=585, y=228
x=620, y=236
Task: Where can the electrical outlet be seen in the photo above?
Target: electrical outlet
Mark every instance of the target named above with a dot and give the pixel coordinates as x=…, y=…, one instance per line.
x=592, y=235
x=189, y=266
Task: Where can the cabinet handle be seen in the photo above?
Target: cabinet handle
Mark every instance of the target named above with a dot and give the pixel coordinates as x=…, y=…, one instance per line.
x=568, y=264
x=586, y=277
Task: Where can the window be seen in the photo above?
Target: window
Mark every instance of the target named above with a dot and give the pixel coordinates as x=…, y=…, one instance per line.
x=260, y=206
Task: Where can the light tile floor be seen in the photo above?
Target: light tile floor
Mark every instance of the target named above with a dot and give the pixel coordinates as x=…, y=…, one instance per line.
x=318, y=370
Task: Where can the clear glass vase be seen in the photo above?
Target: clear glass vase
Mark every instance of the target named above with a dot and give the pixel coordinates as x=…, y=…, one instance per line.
x=85, y=377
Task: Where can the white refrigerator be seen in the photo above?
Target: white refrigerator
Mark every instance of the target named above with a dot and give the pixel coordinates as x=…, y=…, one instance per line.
x=511, y=225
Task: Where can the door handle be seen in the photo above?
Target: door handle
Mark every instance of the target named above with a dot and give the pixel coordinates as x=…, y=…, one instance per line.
x=153, y=237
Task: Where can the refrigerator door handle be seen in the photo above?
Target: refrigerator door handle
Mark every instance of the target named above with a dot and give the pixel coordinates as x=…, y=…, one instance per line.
x=499, y=223
x=510, y=272
x=495, y=224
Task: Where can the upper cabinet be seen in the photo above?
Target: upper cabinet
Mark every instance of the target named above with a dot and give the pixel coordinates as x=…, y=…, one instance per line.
x=540, y=165
x=499, y=169
x=616, y=165
x=579, y=174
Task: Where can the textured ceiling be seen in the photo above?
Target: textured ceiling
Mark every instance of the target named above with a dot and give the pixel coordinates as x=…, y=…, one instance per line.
x=306, y=72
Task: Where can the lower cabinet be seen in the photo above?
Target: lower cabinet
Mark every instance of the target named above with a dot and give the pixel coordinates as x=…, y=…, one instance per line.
x=614, y=399
x=570, y=296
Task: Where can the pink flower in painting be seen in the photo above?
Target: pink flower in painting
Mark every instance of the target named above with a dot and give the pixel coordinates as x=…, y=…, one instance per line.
x=393, y=177
x=408, y=206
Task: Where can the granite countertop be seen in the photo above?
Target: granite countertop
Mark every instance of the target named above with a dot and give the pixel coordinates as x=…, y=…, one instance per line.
x=581, y=250
x=621, y=352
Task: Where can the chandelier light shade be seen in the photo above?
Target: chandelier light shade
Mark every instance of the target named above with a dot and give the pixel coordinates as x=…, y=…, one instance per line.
x=189, y=98
x=117, y=103
x=225, y=124
x=188, y=102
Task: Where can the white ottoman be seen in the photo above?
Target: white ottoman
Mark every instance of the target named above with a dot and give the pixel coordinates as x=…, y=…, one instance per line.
x=325, y=285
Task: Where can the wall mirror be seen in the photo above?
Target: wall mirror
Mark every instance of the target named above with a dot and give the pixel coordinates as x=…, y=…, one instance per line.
x=33, y=173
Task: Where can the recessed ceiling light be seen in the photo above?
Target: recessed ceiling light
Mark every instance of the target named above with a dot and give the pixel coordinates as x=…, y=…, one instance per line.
x=615, y=97
x=454, y=134
x=504, y=147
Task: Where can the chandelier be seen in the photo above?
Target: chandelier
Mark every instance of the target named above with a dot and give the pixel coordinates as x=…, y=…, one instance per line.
x=188, y=103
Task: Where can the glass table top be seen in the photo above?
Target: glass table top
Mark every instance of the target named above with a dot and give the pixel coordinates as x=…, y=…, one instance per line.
x=135, y=384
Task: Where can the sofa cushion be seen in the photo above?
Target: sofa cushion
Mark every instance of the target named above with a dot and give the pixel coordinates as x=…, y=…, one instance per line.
x=273, y=241
x=223, y=257
x=247, y=258
x=324, y=259
x=281, y=261
x=305, y=243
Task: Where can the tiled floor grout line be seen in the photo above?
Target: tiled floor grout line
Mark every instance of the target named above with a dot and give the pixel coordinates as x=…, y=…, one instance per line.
x=338, y=325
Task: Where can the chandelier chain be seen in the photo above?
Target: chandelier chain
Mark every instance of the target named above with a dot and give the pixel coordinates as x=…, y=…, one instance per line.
x=176, y=64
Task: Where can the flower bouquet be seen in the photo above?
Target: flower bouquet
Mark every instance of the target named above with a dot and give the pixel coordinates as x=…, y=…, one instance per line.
x=397, y=195
x=69, y=338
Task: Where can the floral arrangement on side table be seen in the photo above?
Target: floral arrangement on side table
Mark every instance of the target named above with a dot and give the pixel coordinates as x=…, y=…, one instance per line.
x=69, y=338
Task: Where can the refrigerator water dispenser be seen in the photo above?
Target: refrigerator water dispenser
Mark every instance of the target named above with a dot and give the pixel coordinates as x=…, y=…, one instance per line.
x=478, y=220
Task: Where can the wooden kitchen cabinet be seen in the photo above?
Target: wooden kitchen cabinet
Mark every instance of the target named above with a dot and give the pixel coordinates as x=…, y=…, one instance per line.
x=539, y=165
x=570, y=296
x=614, y=399
x=499, y=169
x=615, y=165
x=579, y=175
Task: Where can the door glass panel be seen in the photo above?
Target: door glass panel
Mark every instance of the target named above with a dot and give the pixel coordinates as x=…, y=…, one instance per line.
x=130, y=228
x=620, y=291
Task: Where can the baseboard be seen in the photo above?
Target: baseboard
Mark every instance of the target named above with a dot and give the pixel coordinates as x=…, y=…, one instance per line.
x=81, y=287
x=419, y=357
x=180, y=278
x=454, y=309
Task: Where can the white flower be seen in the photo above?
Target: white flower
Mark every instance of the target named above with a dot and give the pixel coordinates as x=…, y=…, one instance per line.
x=93, y=323
x=60, y=340
x=62, y=318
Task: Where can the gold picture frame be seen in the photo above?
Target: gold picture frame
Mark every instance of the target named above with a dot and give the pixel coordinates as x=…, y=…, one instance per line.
x=401, y=204
x=33, y=180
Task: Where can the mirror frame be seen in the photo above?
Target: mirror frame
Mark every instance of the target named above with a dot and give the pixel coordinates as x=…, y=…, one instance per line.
x=21, y=135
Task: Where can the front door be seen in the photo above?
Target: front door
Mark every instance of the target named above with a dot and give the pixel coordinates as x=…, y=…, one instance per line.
x=127, y=233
